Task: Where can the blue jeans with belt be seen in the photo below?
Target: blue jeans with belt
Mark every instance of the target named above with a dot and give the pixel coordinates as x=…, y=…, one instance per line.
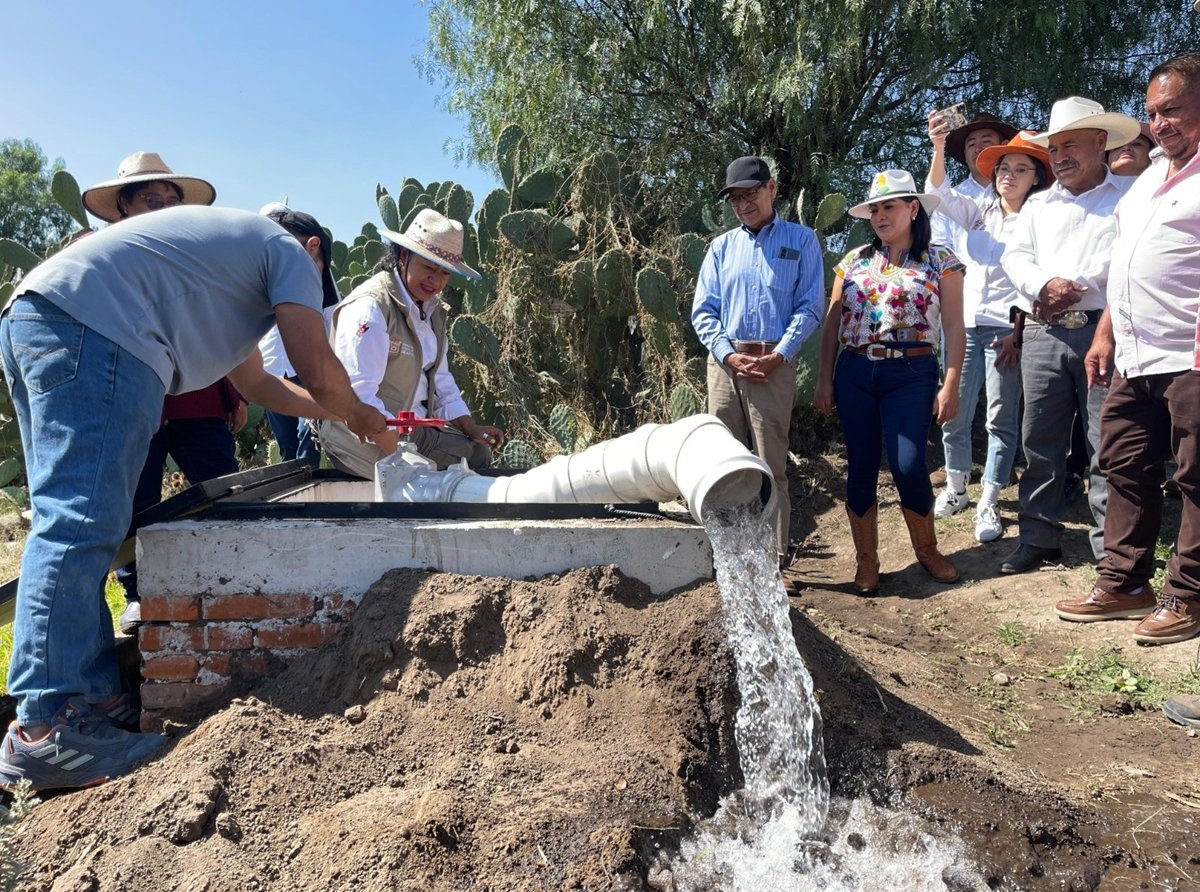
x=86, y=409
x=886, y=403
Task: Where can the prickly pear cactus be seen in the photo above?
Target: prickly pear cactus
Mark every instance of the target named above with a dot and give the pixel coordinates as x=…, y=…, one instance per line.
x=518, y=454
x=474, y=339
x=563, y=426
x=683, y=402
x=388, y=212
x=66, y=192
x=655, y=292
x=512, y=150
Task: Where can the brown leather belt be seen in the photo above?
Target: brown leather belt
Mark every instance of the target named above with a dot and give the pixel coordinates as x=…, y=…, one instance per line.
x=754, y=348
x=892, y=351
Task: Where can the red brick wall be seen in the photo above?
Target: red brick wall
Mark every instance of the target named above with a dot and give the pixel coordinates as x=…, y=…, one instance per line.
x=193, y=648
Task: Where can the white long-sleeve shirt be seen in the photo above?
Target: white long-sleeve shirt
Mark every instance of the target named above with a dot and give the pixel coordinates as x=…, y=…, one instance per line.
x=361, y=342
x=1065, y=236
x=944, y=229
x=1154, y=280
x=988, y=292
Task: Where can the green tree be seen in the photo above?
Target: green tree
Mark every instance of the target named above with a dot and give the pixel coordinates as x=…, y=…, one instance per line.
x=29, y=213
x=828, y=90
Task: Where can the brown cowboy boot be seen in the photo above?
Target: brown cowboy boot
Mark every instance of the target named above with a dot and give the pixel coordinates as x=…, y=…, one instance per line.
x=924, y=540
x=865, y=531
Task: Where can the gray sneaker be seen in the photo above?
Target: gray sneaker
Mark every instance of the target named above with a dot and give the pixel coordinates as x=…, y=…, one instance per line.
x=1183, y=708
x=82, y=749
x=131, y=618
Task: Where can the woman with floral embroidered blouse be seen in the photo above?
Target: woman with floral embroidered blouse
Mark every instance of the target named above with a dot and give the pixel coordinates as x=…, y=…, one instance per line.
x=891, y=300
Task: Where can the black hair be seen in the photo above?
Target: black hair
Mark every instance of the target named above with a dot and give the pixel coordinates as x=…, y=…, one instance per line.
x=391, y=258
x=127, y=192
x=1041, y=179
x=922, y=232
x=1186, y=66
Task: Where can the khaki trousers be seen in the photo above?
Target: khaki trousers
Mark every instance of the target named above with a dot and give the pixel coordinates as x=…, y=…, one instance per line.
x=764, y=409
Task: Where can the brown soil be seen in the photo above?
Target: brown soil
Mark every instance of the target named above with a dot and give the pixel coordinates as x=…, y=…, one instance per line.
x=470, y=733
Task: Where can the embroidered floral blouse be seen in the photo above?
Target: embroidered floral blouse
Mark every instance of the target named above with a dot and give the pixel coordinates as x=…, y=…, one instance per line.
x=886, y=302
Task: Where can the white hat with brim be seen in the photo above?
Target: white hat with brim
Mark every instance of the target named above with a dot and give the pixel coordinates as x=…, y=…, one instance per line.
x=143, y=167
x=889, y=184
x=436, y=238
x=1077, y=113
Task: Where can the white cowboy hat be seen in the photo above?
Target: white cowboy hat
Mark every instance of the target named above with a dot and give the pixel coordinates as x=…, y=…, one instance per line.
x=437, y=239
x=143, y=167
x=1077, y=113
x=893, y=184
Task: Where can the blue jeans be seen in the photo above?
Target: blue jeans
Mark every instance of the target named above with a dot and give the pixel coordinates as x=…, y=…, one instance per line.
x=86, y=410
x=203, y=448
x=1003, y=408
x=886, y=403
x=294, y=436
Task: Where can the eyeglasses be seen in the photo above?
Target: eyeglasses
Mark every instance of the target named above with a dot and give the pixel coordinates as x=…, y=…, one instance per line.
x=157, y=202
x=746, y=197
x=1004, y=170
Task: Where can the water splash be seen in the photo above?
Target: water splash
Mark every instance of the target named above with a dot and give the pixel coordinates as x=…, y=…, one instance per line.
x=781, y=832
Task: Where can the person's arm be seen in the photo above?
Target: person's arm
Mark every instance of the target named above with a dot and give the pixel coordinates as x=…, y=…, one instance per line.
x=945, y=404
x=451, y=405
x=1098, y=363
x=303, y=332
x=1020, y=259
x=823, y=395
x=706, y=320
x=360, y=343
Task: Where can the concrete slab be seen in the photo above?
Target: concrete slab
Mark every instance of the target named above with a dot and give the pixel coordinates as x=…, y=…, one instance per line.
x=345, y=557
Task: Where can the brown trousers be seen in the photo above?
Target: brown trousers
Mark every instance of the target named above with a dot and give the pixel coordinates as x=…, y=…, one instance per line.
x=1145, y=421
x=764, y=409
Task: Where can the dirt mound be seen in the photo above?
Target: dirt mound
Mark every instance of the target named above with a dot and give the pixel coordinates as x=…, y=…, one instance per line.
x=459, y=733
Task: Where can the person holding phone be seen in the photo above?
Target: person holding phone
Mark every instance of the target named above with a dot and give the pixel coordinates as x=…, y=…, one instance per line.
x=1016, y=170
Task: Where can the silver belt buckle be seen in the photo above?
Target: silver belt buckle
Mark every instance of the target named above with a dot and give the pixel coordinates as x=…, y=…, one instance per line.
x=876, y=352
x=1071, y=319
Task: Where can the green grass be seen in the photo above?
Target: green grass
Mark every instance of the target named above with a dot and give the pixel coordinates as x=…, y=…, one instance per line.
x=1011, y=634
x=1096, y=674
x=114, y=595
x=1163, y=552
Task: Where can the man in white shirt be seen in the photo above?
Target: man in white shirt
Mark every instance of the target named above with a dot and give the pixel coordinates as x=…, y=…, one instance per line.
x=1058, y=260
x=964, y=144
x=1146, y=343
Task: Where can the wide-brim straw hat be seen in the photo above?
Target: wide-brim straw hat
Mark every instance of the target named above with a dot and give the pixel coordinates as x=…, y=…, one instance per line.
x=1018, y=145
x=1077, y=113
x=143, y=167
x=956, y=140
x=888, y=184
x=436, y=238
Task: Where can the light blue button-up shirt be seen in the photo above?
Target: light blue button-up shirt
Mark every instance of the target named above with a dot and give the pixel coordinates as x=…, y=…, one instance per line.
x=760, y=286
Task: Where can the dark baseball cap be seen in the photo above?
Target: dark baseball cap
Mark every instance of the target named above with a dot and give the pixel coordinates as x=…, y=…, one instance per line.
x=745, y=173
x=300, y=223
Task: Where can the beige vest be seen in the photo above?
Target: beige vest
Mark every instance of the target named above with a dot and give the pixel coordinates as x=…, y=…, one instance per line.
x=405, y=364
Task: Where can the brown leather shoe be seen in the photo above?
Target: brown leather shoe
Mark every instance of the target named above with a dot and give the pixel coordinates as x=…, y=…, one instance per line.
x=1173, y=619
x=1099, y=604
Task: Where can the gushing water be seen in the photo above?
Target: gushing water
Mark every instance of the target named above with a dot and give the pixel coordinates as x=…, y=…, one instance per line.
x=780, y=832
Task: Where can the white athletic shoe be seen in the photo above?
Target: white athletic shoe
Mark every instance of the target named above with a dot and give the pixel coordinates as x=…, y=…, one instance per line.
x=950, y=502
x=987, y=524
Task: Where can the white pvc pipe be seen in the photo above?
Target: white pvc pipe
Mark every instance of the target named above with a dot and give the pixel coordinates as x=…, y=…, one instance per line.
x=697, y=458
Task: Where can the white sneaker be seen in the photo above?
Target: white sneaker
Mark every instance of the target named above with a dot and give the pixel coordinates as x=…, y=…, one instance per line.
x=950, y=502
x=131, y=618
x=987, y=524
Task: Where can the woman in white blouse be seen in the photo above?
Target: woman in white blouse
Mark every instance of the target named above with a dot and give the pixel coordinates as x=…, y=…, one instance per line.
x=1017, y=170
x=390, y=334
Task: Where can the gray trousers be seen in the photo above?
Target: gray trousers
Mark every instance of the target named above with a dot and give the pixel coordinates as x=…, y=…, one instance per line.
x=1055, y=386
x=764, y=409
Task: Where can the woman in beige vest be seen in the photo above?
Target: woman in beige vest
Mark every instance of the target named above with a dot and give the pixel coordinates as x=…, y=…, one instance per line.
x=390, y=333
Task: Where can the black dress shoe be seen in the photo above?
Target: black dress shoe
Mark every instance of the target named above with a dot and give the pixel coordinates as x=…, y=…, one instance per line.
x=1029, y=557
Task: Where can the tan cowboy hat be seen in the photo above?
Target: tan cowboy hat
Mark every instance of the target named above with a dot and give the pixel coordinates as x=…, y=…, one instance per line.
x=1077, y=113
x=1018, y=145
x=143, y=167
x=893, y=184
x=437, y=239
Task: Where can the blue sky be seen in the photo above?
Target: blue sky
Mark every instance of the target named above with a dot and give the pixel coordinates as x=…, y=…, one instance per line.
x=315, y=101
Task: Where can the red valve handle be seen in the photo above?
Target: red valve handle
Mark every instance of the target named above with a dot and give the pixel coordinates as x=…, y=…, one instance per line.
x=407, y=422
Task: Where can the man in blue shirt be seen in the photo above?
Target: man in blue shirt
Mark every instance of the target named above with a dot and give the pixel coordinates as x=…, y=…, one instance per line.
x=759, y=295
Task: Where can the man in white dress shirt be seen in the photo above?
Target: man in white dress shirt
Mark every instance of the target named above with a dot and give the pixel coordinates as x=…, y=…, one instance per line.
x=1146, y=344
x=1058, y=259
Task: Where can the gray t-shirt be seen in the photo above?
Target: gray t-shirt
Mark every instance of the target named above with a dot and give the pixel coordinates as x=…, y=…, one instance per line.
x=187, y=290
